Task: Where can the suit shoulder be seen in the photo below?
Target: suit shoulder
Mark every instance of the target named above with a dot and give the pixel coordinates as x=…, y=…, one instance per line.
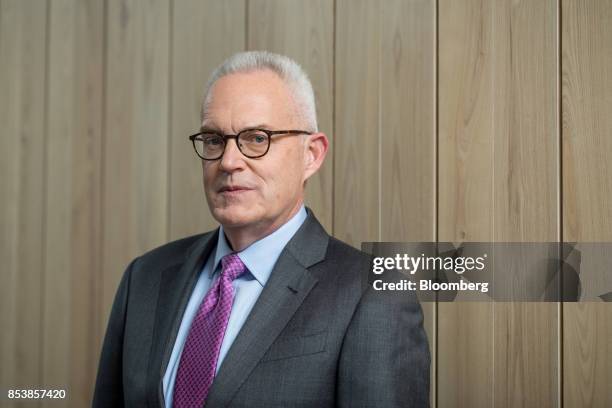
x=343, y=252
x=349, y=264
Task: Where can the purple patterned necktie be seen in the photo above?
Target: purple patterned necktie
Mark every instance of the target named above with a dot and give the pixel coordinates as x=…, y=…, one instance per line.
x=199, y=358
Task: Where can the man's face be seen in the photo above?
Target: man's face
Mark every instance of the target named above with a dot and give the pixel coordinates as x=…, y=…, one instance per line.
x=264, y=192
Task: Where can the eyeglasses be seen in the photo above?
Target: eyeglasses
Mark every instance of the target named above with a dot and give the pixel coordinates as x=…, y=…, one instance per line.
x=253, y=143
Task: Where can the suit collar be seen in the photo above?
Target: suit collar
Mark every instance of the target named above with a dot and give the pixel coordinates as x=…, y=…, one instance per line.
x=309, y=244
x=261, y=255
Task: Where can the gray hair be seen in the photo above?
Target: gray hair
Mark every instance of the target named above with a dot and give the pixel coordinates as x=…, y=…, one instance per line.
x=286, y=68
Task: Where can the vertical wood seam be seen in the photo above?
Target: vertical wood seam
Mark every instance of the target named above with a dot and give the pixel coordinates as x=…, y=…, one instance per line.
x=246, y=25
x=96, y=241
x=333, y=124
x=169, y=119
x=378, y=116
x=42, y=271
x=492, y=181
x=436, y=189
x=560, y=329
x=103, y=143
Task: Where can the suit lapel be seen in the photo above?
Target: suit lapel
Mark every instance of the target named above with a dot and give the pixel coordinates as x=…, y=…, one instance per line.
x=289, y=284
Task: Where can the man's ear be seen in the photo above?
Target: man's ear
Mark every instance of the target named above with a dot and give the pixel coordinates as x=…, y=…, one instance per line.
x=316, y=146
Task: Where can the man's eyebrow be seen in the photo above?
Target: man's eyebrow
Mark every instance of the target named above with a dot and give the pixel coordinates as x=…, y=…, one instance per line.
x=210, y=128
x=258, y=126
x=215, y=129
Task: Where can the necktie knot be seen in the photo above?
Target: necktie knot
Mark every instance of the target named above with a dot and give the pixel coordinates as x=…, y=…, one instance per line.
x=232, y=266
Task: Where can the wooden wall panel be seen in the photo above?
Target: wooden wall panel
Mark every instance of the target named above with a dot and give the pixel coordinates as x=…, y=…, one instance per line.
x=22, y=191
x=465, y=205
x=407, y=121
x=385, y=125
x=407, y=109
x=304, y=31
x=526, y=161
x=499, y=177
x=135, y=154
x=72, y=178
x=357, y=142
x=587, y=191
x=196, y=50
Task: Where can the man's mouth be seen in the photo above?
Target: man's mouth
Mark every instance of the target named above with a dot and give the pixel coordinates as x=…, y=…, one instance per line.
x=233, y=189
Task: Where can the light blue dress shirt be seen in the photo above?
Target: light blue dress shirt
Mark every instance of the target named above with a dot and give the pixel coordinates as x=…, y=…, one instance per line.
x=259, y=258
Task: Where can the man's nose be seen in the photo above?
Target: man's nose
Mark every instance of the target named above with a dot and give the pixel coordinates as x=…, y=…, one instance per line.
x=232, y=158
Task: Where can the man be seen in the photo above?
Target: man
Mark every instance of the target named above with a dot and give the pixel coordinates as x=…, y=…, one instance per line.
x=268, y=310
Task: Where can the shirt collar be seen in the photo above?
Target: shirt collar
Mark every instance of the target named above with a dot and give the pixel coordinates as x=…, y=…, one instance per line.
x=260, y=256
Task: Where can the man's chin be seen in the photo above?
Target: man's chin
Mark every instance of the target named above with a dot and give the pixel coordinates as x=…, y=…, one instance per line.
x=233, y=217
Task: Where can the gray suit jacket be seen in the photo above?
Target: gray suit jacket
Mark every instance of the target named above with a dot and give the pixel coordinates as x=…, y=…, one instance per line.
x=318, y=336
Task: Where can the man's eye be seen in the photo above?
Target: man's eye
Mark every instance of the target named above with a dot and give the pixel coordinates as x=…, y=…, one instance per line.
x=213, y=141
x=254, y=138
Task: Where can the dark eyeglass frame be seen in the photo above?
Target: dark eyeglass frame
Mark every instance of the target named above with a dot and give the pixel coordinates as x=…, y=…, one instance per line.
x=225, y=138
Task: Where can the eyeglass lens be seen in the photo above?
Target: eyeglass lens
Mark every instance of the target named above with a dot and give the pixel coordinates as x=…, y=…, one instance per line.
x=252, y=143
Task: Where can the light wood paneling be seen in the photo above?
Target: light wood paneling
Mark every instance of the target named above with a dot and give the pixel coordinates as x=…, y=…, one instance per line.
x=385, y=126
x=357, y=142
x=587, y=191
x=407, y=121
x=407, y=134
x=135, y=154
x=95, y=167
x=303, y=31
x=465, y=204
x=498, y=175
x=22, y=190
x=72, y=178
x=196, y=52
